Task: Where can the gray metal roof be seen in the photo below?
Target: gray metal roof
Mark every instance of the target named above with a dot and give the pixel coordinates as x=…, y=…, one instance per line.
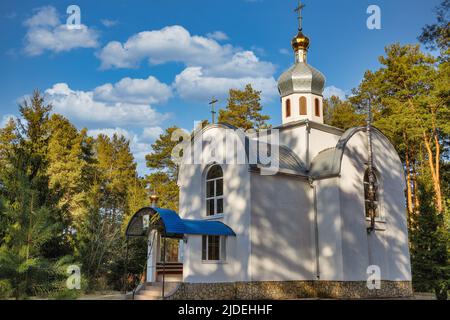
x=301, y=78
x=326, y=164
x=288, y=161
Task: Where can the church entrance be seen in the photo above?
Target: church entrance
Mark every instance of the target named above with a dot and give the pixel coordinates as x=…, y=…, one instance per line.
x=166, y=233
x=164, y=261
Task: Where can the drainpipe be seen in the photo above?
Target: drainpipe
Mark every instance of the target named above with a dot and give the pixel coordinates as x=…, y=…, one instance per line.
x=307, y=134
x=316, y=227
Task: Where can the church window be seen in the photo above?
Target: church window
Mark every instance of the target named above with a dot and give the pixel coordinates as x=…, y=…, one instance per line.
x=303, y=111
x=214, y=191
x=317, y=107
x=368, y=197
x=288, y=108
x=213, y=248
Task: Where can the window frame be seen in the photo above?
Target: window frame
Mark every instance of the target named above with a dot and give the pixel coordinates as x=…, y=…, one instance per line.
x=215, y=198
x=380, y=216
x=288, y=108
x=304, y=105
x=317, y=107
x=222, y=248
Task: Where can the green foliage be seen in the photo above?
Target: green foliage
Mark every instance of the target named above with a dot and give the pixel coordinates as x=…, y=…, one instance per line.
x=166, y=188
x=6, y=289
x=437, y=36
x=409, y=96
x=163, y=179
x=341, y=114
x=161, y=157
x=429, y=248
x=64, y=198
x=244, y=110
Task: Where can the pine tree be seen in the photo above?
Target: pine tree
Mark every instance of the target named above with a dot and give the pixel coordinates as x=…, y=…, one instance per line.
x=429, y=251
x=244, y=110
x=161, y=157
x=69, y=167
x=33, y=236
x=404, y=95
x=164, y=177
x=341, y=114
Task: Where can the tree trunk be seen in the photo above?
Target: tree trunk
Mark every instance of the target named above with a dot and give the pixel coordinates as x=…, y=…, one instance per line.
x=433, y=159
x=416, y=189
x=434, y=172
x=409, y=202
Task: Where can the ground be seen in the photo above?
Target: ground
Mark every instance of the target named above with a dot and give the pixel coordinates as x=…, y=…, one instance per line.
x=117, y=295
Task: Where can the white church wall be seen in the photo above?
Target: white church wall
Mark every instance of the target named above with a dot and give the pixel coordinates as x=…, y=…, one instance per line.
x=295, y=138
x=329, y=225
x=388, y=246
x=236, y=215
x=393, y=212
x=281, y=229
x=320, y=140
x=307, y=145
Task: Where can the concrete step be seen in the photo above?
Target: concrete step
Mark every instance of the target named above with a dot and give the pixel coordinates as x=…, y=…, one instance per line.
x=146, y=298
x=149, y=293
x=170, y=278
x=153, y=291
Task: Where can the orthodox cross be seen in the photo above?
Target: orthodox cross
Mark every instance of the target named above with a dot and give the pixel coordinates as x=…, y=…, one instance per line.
x=372, y=187
x=213, y=110
x=299, y=12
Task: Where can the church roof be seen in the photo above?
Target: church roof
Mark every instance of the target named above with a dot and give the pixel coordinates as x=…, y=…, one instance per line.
x=312, y=124
x=325, y=165
x=173, y=225
x=288, y=161
x=328, y=162
x=301, y=78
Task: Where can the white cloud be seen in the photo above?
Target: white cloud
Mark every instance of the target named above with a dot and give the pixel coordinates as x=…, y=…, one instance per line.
x=46, y=32
x=193, y=84
x=285, y=51
x=140, y=91
x=176, y=44
x=211, y=68
x=241, y=64
x=43, y=17
x=82, y=106
x=172, y=43
x=151, y=133
x=5, y=120
x=110, y=132
x=218, y=35
x=334, y=91
x=109, y=23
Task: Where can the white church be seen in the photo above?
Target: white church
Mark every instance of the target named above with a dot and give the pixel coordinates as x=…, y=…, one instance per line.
x=328, y=221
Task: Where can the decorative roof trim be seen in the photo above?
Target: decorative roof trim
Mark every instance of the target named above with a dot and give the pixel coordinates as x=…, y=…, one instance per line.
x=335, y=155
x=312, y=124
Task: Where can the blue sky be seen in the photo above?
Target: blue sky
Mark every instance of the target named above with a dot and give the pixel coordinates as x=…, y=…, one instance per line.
x=137, y=67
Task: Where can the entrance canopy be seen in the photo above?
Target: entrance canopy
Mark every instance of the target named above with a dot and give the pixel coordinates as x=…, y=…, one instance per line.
x=169, y=223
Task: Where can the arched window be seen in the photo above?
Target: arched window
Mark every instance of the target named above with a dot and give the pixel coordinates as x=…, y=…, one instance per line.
x=371, y=200
x=288, y=108
x=317, y=107
x=214, y=190
x=303, y=110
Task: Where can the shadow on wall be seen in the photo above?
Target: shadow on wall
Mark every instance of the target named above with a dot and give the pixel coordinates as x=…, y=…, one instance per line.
x=284, y=238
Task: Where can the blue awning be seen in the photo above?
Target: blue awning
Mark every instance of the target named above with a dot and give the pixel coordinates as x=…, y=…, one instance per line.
x=174, y=224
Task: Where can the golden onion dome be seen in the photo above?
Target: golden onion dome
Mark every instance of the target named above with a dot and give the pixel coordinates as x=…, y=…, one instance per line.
x=300, y=41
